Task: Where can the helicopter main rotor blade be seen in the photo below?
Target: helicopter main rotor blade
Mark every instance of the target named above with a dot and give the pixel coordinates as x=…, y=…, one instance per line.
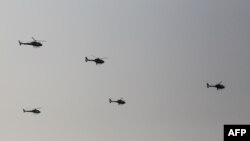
x=41, y=41
x=38, y=40
x=94, y=56
x=104, y=58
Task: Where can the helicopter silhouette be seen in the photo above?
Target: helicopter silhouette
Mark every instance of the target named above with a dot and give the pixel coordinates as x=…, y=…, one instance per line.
x=35, y=43
x=217, y=86
x=96, y=60
x=34, y=111
x=119, y=102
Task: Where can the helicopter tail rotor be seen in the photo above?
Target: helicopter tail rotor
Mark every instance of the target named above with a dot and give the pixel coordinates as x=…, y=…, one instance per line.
x=20, y=43
x=24, y=110
x=208, y=85
x=110, y=100
x=86, y=59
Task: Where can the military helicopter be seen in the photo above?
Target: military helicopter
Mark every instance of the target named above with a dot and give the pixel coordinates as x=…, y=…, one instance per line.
x=34, y=111
x=96, y=60
x=119, y=102
x=217, y=86
x=35, y=43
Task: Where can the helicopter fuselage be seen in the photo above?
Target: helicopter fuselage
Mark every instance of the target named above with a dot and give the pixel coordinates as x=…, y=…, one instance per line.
x=97, y=60
x=119, y=102
x=217, y=86
x=35, y=111
x=33, y=43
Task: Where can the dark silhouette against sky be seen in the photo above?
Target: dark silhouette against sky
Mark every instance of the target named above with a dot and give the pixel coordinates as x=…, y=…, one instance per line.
x=161, y=55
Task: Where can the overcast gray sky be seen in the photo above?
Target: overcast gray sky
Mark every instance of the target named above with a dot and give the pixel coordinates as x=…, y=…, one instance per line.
x=161, y=54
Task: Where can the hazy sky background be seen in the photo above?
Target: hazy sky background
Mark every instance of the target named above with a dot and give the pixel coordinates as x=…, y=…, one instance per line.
x=161, y=54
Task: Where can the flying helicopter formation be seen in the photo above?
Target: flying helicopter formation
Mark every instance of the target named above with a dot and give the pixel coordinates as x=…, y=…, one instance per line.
x=35, y=43
x=34, y=111
x=38, y=43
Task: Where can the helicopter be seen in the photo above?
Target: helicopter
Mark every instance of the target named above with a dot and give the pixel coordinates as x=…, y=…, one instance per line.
x=35, y=43
x=96, y=60
x=34, y=111
x=119, y=102
x=217, y=86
